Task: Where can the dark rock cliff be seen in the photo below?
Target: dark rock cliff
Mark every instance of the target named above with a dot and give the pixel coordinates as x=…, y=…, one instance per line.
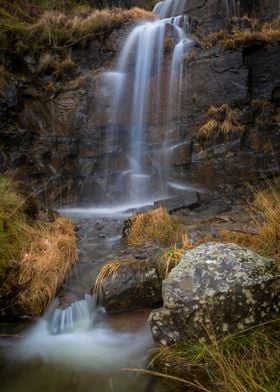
x=53, y=128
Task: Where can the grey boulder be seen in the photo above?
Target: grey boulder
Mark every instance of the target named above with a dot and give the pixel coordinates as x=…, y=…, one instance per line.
x=216, y=289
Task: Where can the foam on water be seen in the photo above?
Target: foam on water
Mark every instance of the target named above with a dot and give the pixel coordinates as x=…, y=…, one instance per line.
x=76, y=338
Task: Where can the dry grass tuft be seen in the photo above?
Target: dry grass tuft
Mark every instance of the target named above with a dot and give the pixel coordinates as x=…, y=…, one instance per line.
x=154, y=226
x=267, y=33
x=245, y=362
x=114, y=268
x=48, y=64
x=58, y=29
x=265, y=211
x=172, y=256
x=34, y=258
x=42, y=269
x=222, y=120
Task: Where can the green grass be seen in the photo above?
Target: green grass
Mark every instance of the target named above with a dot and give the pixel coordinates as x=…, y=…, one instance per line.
x=12, y=225
x=245, y=362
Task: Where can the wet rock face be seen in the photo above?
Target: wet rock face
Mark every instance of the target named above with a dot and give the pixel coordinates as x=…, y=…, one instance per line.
x=243, y=78
x=135, y=286
x=58, y=139
x=222, y=288
x=213, y=13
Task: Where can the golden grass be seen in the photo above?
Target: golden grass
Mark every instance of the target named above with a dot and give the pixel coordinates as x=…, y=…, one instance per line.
x=34, y=257
x=49, y=64
x=265, y=212
x=267, y=33
x=155, y=226
x=244, y=362
x=172, y=256
x=114, y=268
x=222, y=120
x=58, y=29
x=44, y=265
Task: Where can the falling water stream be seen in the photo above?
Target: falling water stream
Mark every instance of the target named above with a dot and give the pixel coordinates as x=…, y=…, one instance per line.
x=79, y=347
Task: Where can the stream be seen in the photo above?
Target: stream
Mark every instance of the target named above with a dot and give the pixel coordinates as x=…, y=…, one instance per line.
x=78, y=346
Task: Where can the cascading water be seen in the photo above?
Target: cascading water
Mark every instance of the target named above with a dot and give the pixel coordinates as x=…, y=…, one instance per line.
x=146, y=90
x=170, y=8
x=232, y=7
x=78, y=341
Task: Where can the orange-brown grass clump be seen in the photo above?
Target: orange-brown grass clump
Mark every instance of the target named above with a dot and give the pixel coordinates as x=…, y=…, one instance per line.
x=44, y=265
x=172, y=256
x=155, y=226
x=267, y=33
x=222, y=120
x=115, y=268
x=244, y=362
x=57, y=28
x=34, y=255
x=265, y=211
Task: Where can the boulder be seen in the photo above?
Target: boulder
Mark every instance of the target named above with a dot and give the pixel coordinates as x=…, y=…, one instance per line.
x=135, y=285
x=216, y=289
x=189, y=199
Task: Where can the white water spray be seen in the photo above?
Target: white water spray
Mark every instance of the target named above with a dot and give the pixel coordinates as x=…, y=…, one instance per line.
x=79, y=337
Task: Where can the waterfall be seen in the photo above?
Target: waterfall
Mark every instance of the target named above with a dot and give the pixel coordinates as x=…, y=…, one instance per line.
x=170, y=8
x=78, y=316
x=145, y=89
x=232, y=7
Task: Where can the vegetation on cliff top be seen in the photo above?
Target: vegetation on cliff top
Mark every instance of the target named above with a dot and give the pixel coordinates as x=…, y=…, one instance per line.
x=32, y=28
x=35, y=254
x=256, y=31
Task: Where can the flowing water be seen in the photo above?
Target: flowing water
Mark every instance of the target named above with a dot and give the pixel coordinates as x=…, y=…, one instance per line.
x=146, y=87
x=79, y=347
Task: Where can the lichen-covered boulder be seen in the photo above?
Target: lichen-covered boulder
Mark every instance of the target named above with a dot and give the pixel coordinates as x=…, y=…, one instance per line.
x=216, y=289
x=132, y=285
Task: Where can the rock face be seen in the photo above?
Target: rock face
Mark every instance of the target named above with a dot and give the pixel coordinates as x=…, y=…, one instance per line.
x=136, y=285
x=220, y=287
x=55, y=130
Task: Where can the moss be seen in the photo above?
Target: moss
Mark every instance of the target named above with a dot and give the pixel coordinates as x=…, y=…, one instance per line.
x=12, y=221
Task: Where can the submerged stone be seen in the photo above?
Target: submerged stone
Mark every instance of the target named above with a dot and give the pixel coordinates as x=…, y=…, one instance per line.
x=216, y=289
